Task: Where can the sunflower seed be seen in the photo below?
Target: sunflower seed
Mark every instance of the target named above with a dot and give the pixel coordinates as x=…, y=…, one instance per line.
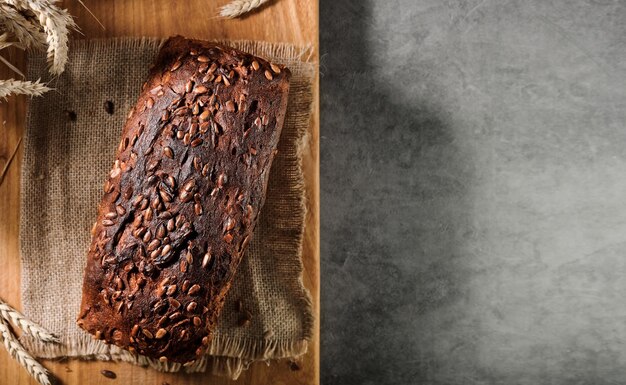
x=185, y=196
x=189, y=185
x=168, y=152
x=107, y=222
x=160, y=333
x=165, y=196
x=196, y=109
x=204, y=115
x=162, y=321
x=147, y=333
x=111, y=215
x=189, y=86
x=148, y=213
x=198, y=209
x=196, y=142
x=149, y=103
x=255, y=65
x=212, y=68
x=187, y=139
x=204, y=127
x=200, y=89
x=230, y=106
x=206, y=259
x=155, y=202
x=268, y=75
x=197, y=321
x=192, y=306
x=275, y=68
x=174, y=316
x=147, y=236
x=181, y=111
x=176, y=66
x=222, y=180
x=203, y=59
x=171, y=225
x=183, y=266
x=205, y=170
x=154, y=244
x=120, y=210
x=194, y=289
x=139, y=232
x=180, y=134
x=174, y=303
x=193, y=130
x=155, y=253
x=165, y=215
x=166, y=249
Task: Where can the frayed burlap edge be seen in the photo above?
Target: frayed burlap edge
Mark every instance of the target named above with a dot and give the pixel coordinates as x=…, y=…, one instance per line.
x=225, y=356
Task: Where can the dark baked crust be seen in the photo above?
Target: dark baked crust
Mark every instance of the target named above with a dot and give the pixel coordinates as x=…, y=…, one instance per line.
x=182, y=199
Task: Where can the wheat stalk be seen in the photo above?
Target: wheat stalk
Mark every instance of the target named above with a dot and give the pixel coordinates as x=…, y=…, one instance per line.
x=17, y=351
x=25, y=87
x=56, y=24
x=5, y=42
x=237, y=8
x=25, y=29
x=26, y=325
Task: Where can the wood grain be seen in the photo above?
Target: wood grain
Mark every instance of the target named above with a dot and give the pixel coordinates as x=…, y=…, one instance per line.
x=294, y=21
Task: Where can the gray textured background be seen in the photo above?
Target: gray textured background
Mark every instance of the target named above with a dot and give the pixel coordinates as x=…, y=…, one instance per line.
x=473, y=192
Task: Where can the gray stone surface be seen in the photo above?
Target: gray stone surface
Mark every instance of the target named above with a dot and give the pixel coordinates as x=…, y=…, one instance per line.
x=473, y=192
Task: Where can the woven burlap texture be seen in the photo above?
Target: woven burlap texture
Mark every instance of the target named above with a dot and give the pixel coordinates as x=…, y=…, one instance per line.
x=64, y=167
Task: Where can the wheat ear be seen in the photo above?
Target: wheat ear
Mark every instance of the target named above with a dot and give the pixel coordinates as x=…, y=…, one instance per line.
x=26, y=325
x=56, y=24
x=17, y=351
x=11, y=86
x=27, y=31
x=237, y=8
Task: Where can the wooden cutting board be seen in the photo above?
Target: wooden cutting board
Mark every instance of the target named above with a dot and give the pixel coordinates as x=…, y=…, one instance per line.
x=294, y=21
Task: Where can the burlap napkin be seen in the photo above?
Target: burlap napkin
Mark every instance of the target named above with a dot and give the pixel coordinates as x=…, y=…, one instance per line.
x=65, y=163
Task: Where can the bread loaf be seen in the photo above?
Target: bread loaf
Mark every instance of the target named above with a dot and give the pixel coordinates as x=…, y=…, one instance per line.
x=181, y=201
